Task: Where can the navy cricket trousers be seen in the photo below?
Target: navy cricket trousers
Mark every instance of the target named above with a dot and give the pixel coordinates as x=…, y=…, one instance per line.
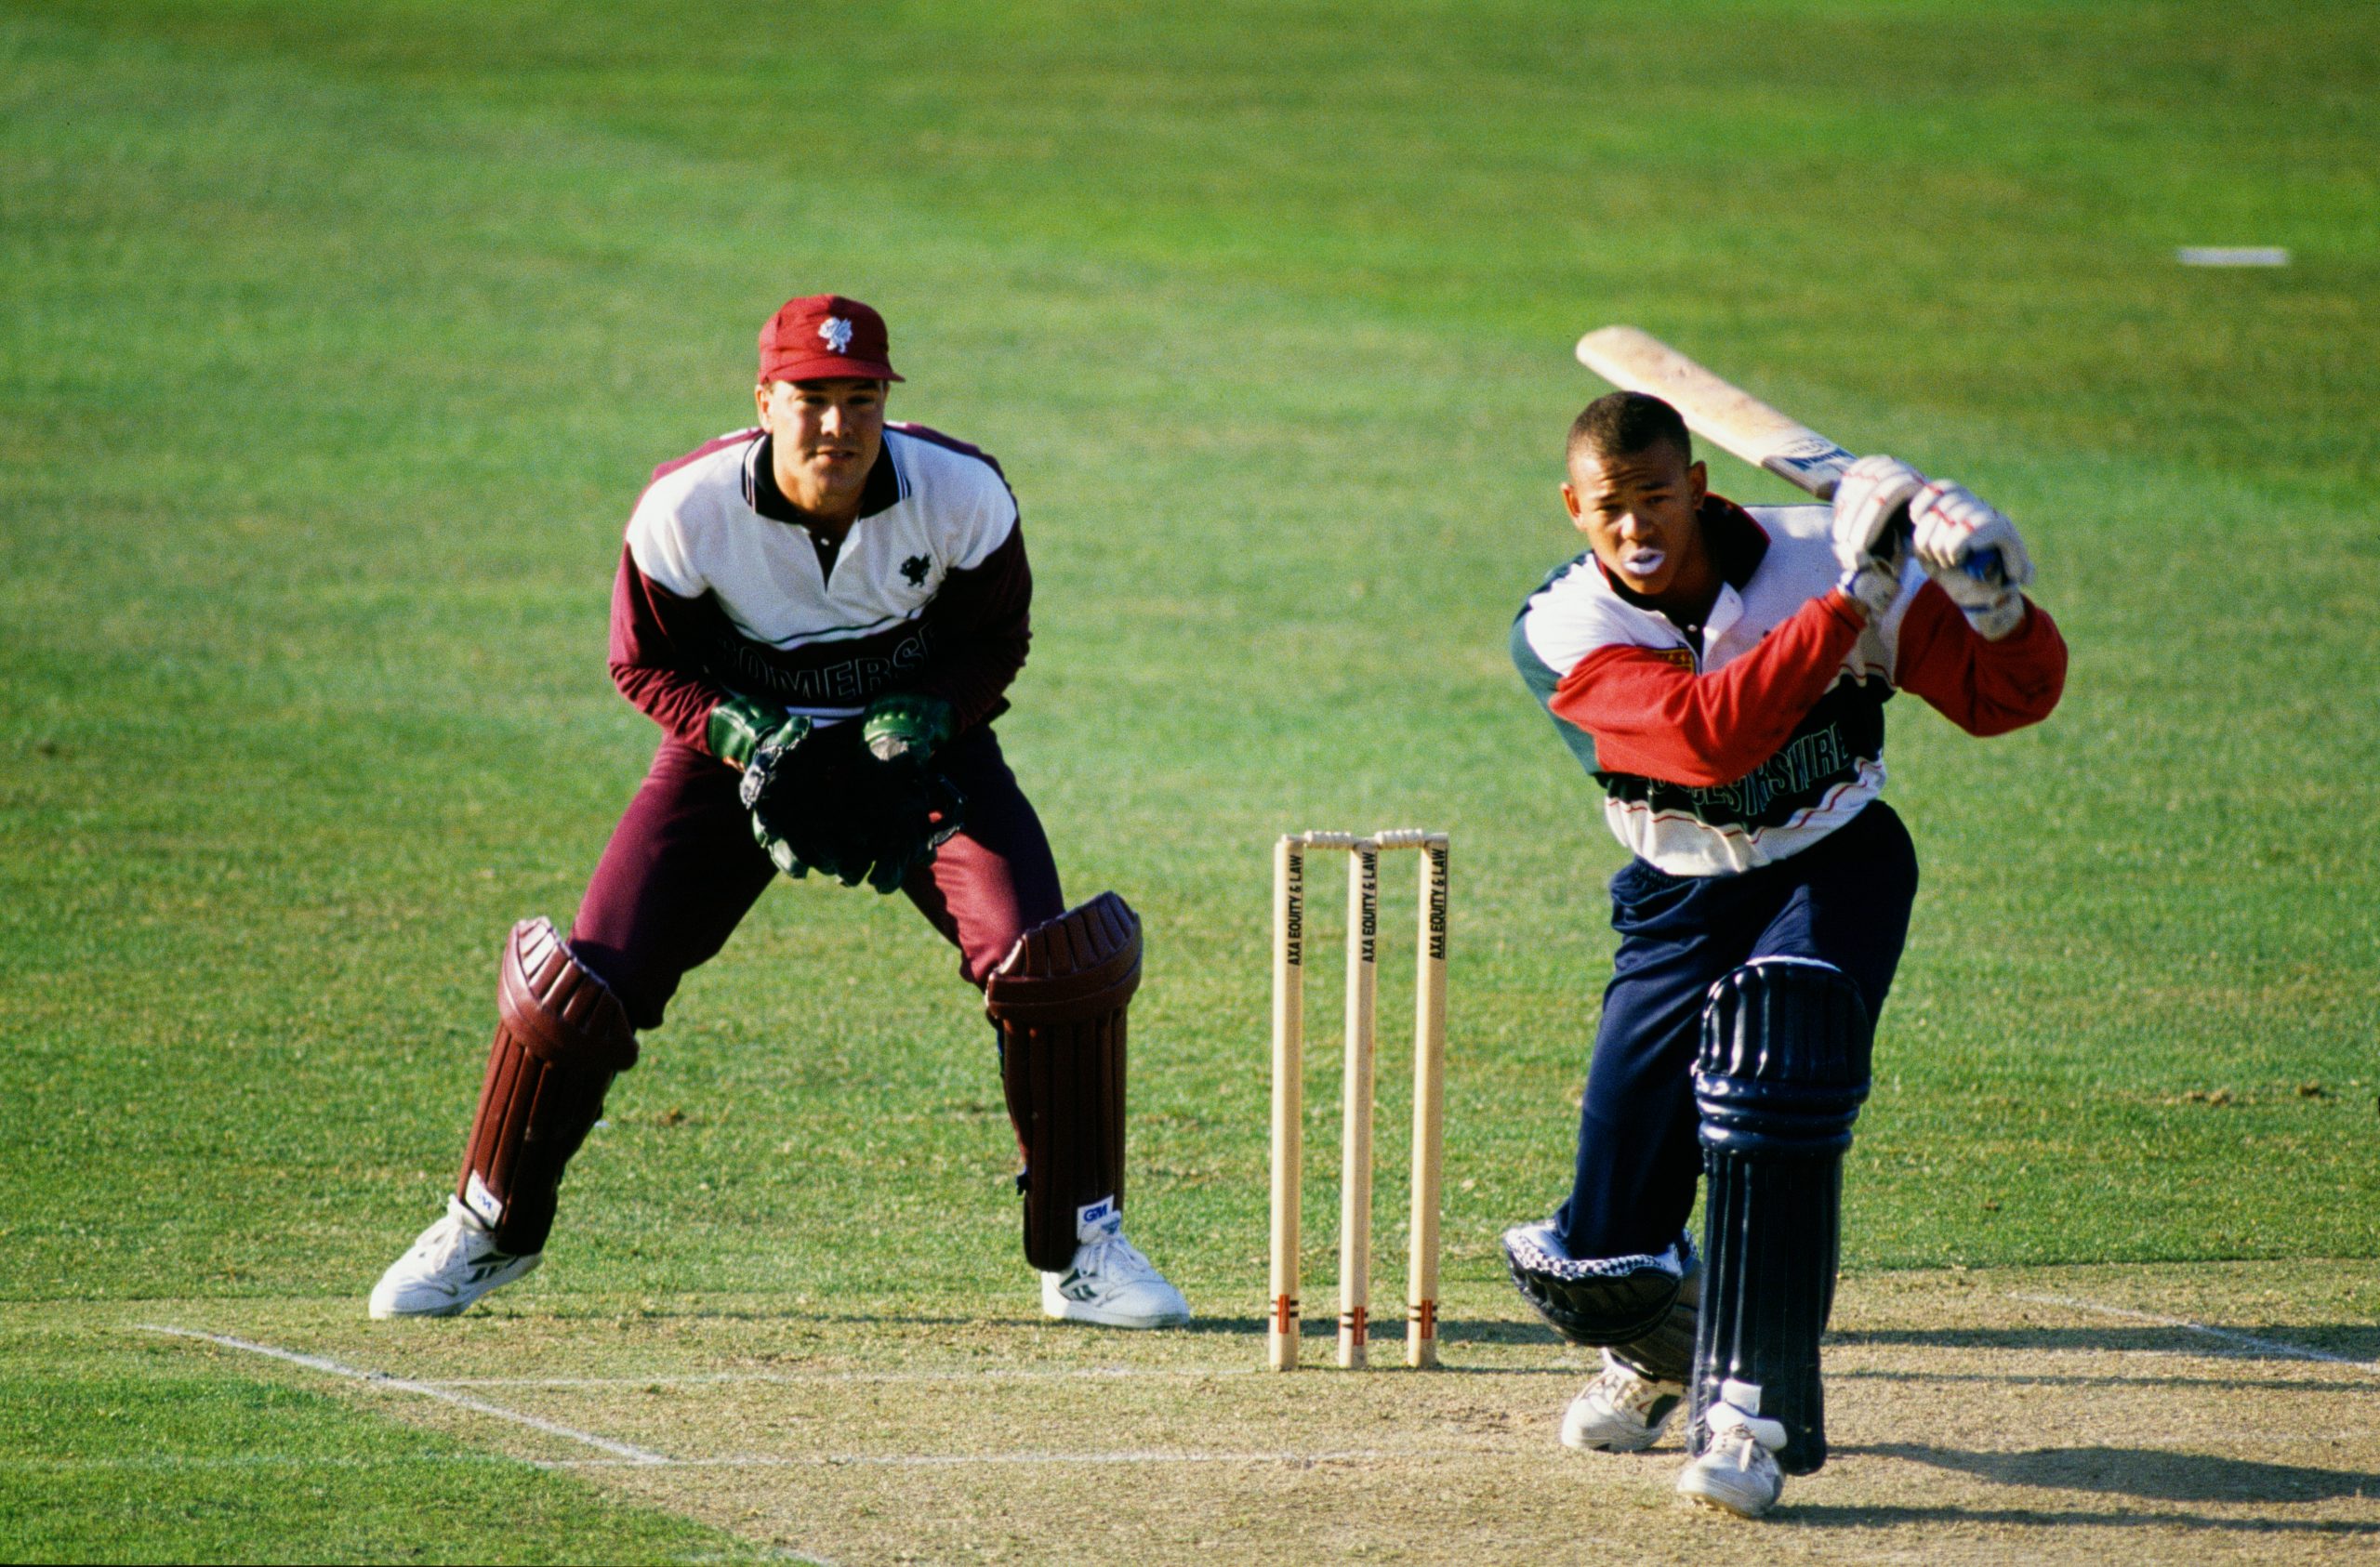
x=1844, y=900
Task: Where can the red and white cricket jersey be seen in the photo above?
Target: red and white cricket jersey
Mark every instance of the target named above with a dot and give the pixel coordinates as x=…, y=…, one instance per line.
x=1746, y=746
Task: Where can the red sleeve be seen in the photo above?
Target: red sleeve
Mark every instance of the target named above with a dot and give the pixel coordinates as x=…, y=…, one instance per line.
x=1985, y=687
x=1660, y=719
x=650, y=628
x=981, y=621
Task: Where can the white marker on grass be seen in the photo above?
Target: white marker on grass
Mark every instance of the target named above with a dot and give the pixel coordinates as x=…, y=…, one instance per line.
x=2232, y=255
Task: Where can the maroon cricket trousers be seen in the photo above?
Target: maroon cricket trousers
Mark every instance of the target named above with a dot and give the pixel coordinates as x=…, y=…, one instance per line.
x=682, y=868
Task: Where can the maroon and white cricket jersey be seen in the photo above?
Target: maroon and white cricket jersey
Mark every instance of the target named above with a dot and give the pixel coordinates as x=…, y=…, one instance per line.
x=722, y=589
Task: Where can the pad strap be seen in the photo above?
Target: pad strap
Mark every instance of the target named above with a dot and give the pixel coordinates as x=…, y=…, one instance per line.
x=561, y=1037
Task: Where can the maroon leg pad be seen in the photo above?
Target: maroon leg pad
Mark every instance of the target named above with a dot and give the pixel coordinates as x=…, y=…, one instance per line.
x=1059, y=1001
x=561, y=1037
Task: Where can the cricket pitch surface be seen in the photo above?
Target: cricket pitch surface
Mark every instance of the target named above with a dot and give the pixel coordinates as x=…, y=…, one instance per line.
x=2228, y=1412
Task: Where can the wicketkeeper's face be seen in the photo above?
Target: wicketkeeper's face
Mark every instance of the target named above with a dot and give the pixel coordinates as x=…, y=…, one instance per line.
x=1640, y=511
x=828, y=435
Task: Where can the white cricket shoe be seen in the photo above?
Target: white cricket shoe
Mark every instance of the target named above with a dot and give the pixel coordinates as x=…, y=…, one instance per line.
x=1621, y=1411
x=453, y=1263
x=1110, y=1283
x=1737, y=1472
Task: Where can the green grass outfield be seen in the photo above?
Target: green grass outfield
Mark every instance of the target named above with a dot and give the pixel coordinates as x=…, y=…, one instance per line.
x=336, y=338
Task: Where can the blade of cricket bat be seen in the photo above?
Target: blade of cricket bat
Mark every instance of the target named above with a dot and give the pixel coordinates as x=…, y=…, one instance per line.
x=1724, y=414
x=1730, y=418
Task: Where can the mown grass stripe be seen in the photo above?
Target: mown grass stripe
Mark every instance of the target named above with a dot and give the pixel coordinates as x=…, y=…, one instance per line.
x=964, y=1460
x=987, y=1374
x=798, y=1378
x=171, y=1461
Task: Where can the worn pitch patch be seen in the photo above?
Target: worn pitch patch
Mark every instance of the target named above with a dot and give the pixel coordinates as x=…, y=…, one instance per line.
x=2093, y=1415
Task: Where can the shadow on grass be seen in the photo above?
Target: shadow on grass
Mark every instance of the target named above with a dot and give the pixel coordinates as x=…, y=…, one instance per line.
x=2148, y=1474
x=1386, y=1333
x=1823, y=1515
x=2354, y=1341
x=1387, y=1330
x=2077, y=1379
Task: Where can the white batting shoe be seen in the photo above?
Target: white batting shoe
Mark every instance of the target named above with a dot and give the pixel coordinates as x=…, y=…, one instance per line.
x=1737, y=1472
x=1621, y=1411
x=1111, y=1283
x=453, y=1263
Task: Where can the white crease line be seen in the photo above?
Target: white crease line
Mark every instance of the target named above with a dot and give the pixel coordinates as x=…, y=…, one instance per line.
x=401, y=1385
x=2247, y=1341
x=961, y=1460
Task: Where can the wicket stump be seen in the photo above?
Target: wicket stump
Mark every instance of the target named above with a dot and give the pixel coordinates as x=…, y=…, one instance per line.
x=1288, y=1093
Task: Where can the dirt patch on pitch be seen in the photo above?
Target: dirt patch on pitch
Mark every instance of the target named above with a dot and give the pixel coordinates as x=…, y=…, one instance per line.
x=2228, y=1413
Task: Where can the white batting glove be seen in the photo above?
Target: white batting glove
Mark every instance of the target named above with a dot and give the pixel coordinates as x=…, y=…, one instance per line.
x=1974, y=554
x=1869, y=542
x=1868, y=501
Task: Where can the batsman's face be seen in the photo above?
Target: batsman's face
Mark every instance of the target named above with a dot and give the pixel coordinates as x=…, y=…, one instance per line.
x=826, y=435
x=1640, y=511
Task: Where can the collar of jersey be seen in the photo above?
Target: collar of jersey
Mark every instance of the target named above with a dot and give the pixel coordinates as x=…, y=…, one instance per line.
x=760, y=483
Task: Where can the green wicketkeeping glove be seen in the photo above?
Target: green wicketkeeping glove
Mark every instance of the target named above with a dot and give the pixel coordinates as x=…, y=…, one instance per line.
x=910, y=810
x=908, y=728
x=740, y=726
x=800, y=784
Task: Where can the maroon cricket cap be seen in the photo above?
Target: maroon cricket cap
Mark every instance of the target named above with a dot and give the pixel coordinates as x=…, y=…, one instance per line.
x=823, y=336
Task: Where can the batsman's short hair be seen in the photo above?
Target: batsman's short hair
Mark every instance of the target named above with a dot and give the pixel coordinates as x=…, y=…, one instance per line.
x=1622, y=424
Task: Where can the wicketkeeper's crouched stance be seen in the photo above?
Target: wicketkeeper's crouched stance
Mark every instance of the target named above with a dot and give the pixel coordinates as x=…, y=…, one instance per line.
x=1723, y=674
x=823, y=614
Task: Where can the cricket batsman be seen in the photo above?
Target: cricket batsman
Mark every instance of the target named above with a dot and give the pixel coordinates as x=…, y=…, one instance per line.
x=822, y=612
x=1722, y=673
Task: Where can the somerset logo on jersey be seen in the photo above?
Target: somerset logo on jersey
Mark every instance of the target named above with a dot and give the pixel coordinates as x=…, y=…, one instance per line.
x=836, y=333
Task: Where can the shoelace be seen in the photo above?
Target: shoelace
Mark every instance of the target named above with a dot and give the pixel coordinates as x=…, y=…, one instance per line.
x=1625, y=1391
x=449, y=1243
x=1741, y=1448
x=452, y=1244
x=1118, y=1260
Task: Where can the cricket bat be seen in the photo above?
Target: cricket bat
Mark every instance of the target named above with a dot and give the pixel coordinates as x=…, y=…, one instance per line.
x=1728, y=416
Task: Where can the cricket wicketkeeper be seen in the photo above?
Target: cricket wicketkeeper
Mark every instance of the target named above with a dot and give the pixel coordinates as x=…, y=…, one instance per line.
x=1722, y=673
x=822, y=612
